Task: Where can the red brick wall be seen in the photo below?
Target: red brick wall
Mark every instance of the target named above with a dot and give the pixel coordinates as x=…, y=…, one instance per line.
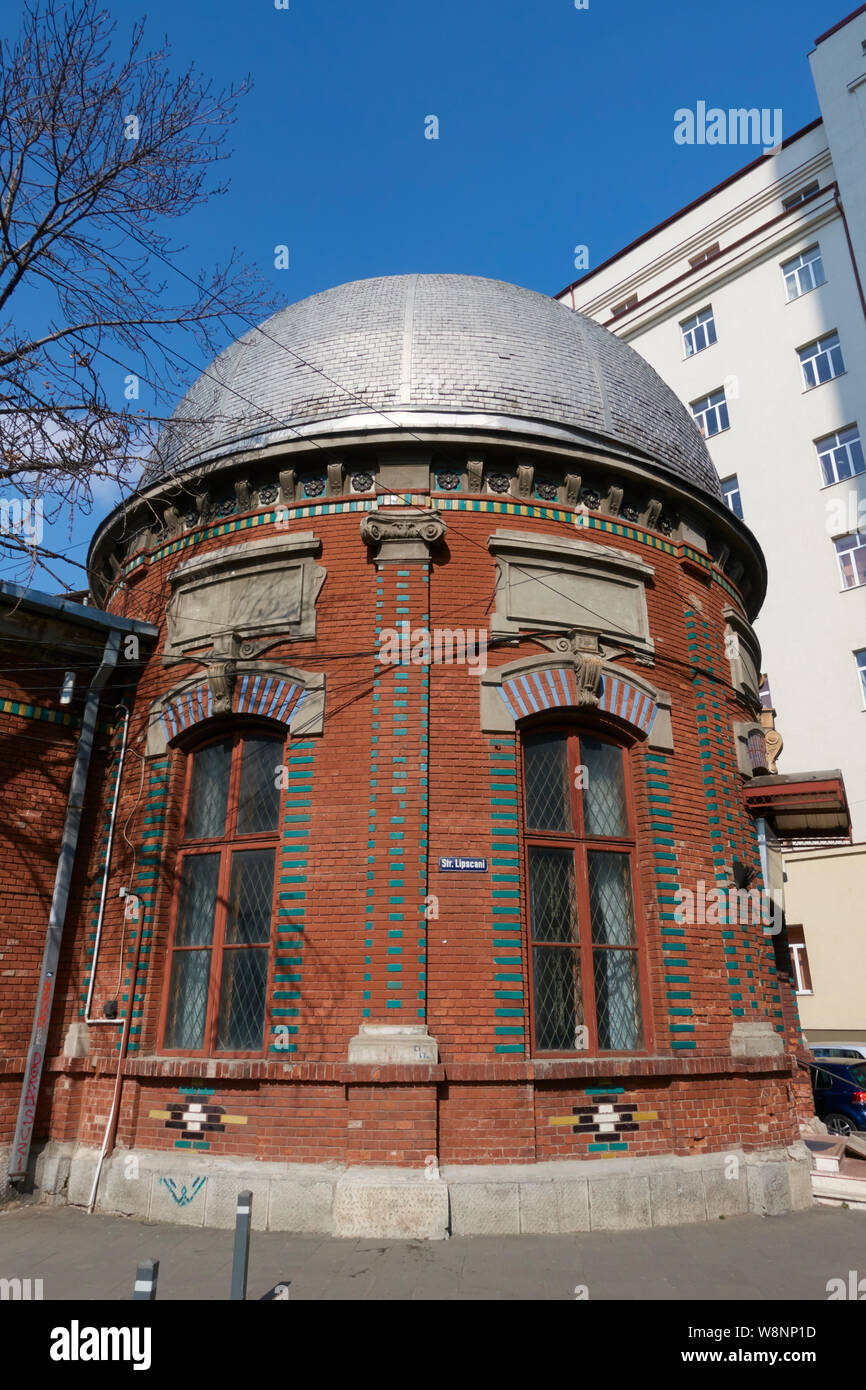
x=500, y=1120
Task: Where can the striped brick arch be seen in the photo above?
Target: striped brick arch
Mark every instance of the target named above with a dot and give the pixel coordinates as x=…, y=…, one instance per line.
x=271, y=696
x=555, y=687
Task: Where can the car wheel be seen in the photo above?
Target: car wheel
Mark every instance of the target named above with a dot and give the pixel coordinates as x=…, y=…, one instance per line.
x=839, y=1124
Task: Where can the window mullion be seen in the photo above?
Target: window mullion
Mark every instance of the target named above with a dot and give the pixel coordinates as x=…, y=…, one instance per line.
x=584, y=936
x=219, y=930
x=234, y=788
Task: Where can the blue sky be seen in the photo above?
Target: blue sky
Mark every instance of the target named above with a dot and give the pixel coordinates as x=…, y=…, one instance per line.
x=555, y=128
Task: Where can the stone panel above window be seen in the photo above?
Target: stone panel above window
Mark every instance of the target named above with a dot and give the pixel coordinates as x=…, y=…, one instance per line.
x=743, y=651
x=245, y=594
x=548, y=583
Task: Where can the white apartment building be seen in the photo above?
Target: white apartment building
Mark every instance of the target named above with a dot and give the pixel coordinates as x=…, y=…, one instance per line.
x=750, y=304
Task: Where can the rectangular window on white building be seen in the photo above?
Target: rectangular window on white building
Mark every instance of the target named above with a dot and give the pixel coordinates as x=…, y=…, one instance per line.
x=711, y=413
x=799, y=960
x=821, y=361
x=624, y=307
x=860, y=658
x=765, y=695
x=699, y=332
x=851, y=552
x=803, y=273
x=801, y=195
x=840, y=455
x=708, y=254
x=731, y=490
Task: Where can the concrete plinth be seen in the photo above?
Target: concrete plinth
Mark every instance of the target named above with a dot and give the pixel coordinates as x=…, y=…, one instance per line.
x=756, y=1038
x=395, y=1203
x=382, y=1043
x=390, y=1204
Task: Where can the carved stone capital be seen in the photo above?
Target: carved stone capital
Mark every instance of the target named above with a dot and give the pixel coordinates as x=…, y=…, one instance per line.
x=401, y=536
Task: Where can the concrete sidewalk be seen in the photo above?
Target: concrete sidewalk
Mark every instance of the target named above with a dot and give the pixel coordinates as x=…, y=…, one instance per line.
x=81, y=1257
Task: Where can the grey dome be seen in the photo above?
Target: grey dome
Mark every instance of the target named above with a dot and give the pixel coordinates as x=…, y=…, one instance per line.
x=422, y=344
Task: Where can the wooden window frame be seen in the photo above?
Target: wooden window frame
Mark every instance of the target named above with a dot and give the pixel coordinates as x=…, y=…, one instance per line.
x=581, y=844
x=226, y=845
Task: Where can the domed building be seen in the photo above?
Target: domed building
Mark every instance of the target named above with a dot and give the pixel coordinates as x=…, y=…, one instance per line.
x=410, y=887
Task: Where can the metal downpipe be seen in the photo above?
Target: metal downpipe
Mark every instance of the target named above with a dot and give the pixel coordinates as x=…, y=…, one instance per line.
x=30, y=1086
x=115, y=1022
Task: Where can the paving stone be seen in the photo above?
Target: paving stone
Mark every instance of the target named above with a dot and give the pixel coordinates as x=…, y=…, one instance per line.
x=788, y=1257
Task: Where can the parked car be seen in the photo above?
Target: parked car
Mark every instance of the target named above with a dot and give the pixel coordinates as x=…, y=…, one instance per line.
x=839, y=1051
x=839, y=1089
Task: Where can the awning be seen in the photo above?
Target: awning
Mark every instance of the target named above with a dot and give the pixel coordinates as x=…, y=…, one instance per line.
x=806, y=805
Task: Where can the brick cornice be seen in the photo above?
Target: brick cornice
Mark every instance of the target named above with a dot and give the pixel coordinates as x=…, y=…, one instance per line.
x=344, y=1074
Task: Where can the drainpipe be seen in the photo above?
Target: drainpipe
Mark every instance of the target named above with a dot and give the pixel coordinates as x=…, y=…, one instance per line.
x=114, y=1113
x=114, y=1022
x=761, y=829
x=45, y=996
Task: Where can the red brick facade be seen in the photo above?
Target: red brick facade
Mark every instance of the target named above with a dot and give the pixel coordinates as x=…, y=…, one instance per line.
x=489, y=1098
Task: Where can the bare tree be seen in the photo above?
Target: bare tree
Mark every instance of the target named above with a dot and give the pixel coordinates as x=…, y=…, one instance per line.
x=97, y=154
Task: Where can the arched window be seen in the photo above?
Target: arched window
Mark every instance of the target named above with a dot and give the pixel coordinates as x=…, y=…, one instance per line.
x=220, y=954
x=586, y=976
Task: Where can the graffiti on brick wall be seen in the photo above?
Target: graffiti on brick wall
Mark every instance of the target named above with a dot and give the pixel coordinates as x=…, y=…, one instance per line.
x=179, y=1193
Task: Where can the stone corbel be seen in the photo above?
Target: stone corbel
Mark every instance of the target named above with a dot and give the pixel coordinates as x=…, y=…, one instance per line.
x=613, y=501
x=221, y=677
x=572, y=488
x=582, y=651
x=287, y=487
x=588, y=671
x=774, y=743
x=474, y=472
x=243, y=494
x=336, y=473
x=525, y=478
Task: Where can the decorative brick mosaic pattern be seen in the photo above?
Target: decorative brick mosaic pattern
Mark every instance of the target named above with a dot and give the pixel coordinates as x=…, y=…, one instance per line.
x=511, y=1005
x=395, y=936
x=608, y=1121
x=667, y=882
x=146, y=884
x=291, y=926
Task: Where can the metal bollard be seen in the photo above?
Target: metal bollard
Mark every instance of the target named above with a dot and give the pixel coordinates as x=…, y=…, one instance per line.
x=146, y=1276
x=241, y=1257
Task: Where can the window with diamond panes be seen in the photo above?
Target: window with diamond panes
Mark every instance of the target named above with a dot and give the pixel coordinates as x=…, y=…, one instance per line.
x=586, y=985
x=220, y=955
